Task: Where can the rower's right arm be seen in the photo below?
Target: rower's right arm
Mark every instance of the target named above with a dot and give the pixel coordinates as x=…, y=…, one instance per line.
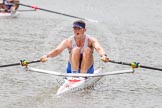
x=63, y=45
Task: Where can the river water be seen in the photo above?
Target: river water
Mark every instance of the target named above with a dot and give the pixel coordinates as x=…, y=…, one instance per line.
x=129, y=30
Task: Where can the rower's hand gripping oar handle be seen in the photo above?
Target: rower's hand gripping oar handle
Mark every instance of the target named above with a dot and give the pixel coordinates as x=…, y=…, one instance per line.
x=135, y=65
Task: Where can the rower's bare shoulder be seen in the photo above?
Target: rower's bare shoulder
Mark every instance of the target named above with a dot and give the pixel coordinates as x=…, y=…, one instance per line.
x=68, y=41
x=92, y=39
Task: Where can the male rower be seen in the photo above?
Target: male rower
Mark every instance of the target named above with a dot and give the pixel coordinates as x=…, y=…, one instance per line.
x=80, y=47
x=11, y=5
x=3, y=7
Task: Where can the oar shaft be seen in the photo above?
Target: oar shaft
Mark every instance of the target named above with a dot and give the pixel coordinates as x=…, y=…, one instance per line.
x=34, y=61
x=50, y=11
x=123, y=63
x=26, y=10
x=129, y=64
x=16, y=64
x=61, y=14
x=147, y=67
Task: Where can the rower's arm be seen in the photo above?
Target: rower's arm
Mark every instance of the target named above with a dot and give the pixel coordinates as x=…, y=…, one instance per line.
x=100, y=50
x=98, y=47
x=63, y=45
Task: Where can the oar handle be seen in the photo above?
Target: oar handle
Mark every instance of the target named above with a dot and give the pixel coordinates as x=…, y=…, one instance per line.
x=36, y=61
x=22, y=62
x=135, y=65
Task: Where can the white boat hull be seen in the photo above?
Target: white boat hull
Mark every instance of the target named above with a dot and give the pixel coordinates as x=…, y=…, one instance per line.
x=8, y=14
x=73, y=84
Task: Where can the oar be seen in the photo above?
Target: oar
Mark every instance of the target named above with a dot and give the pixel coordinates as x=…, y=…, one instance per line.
x=35, y=7
x=22, y=62
x=26, y=10
x=135, y=65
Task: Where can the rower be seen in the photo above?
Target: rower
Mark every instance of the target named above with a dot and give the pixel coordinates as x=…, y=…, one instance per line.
x=11, y=5
x=80, y=47
x=2, y=6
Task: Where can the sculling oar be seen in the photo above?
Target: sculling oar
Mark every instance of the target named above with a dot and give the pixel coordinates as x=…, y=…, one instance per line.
x=35, y=7
x=22, y=62
x=26, y=10
x=135, y=65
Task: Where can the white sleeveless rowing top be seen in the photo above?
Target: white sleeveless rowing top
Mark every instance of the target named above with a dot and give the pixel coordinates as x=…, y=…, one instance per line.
x=75, y=45
x=7, y=3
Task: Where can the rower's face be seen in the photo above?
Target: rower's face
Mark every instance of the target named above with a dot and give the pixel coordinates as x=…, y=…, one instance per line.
x=79, y=31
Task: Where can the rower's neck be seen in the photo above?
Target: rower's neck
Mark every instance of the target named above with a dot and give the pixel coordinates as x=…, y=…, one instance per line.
x=79, y=38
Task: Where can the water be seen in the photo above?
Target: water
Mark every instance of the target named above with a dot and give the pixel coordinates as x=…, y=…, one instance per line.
x=128, y=30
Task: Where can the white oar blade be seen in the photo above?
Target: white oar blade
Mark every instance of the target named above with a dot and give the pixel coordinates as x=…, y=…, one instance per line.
x=79, y=75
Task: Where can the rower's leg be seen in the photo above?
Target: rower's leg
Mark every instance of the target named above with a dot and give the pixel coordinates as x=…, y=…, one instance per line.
x=15, y=6
x=75, y=59
x=87, y=60
x=2, y=6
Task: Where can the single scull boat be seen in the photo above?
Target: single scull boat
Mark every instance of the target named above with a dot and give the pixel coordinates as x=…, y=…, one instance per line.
x=75, y=81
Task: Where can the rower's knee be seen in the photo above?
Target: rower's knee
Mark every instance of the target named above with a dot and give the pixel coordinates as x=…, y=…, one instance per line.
x=87, y=52
x=76, y=51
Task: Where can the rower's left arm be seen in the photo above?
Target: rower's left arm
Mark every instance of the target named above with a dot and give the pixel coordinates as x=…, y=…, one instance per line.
x=98, y=47
x=100, y=50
